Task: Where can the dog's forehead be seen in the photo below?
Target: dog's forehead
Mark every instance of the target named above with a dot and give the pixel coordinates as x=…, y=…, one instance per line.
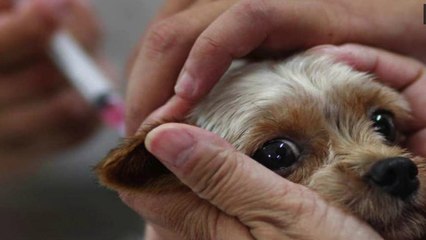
x=297, y=94
x=326, y=83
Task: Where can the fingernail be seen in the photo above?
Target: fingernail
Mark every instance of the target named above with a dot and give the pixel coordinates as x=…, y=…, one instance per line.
x=185, y=86
x=170, y=145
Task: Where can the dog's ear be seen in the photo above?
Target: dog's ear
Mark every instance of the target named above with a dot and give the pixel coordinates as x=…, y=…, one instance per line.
x=131, y=166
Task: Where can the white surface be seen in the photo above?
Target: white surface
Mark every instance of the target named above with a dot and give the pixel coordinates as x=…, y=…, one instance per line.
x=82, y=71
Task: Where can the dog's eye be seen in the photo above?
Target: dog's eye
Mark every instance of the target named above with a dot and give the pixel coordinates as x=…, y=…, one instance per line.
x=277, y=154
x=383, y=123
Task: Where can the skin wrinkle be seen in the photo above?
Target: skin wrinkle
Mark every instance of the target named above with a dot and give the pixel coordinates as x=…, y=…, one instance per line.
x=201, y=223
x=162, y=37
x=323, y=215
x=204, y=48
x=421, y=74
x=215, y=226
x=257, y=219
x=207, y=181
x=215, y=193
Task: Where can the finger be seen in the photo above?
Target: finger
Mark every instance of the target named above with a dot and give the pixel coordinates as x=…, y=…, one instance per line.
x=180, y=214
x=244, y=189
x=35, y=82
x=172, y=7
x=153, y=95
x=172, y=111
x=25, y=32
x=46, y=124
x=208, y=164
x=247, y=26
x=392, y=69
x=168, y=9
x=416, y=143
x=165, y=48
x=402, y=73
x=82, y=23
x=6, y=4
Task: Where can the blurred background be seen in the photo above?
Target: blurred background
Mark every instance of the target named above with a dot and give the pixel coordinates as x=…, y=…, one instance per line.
x=63, y=201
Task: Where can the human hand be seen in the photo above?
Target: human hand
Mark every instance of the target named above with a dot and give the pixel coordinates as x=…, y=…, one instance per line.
x=39, y=111
x=402, y=73
x=167, y=220
x=232, y=196
x=203, y=37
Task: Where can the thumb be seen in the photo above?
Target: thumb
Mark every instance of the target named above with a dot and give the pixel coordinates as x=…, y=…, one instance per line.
x=212, y=168
x=268, y=204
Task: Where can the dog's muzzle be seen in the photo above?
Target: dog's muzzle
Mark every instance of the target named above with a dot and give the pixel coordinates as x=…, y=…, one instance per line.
x=396, y=176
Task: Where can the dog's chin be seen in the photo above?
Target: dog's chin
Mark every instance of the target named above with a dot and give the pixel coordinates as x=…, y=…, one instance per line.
x=410, y=214
x=392, y=217
x=396, y=218
x=409, y=225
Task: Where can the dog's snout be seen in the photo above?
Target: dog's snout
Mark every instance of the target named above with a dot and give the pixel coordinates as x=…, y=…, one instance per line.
x=396, y=176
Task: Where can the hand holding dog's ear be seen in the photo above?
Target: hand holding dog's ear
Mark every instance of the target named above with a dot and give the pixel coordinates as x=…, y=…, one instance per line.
x=203, y=37
x=233, y=197
x=405, y=74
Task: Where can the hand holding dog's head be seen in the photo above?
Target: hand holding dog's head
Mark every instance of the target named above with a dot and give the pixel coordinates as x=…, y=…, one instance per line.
x=316, y=123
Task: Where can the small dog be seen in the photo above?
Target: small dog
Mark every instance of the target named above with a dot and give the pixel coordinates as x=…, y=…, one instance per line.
x=315, y=122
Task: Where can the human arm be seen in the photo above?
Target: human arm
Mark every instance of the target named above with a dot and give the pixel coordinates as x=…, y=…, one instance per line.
x=40, y=113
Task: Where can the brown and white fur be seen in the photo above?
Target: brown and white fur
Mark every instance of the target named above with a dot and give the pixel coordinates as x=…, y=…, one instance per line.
x=325, y=108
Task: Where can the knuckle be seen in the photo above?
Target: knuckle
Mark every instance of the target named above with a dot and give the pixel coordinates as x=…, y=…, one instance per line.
x=210, y=46
x=220, y=176
x=310, y=205
x=163, y=36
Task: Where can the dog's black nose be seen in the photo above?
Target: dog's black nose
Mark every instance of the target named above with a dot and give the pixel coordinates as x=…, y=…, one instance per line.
x=396, y=176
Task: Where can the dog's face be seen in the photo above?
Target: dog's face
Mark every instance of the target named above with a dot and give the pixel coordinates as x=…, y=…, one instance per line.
x=325, y=126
